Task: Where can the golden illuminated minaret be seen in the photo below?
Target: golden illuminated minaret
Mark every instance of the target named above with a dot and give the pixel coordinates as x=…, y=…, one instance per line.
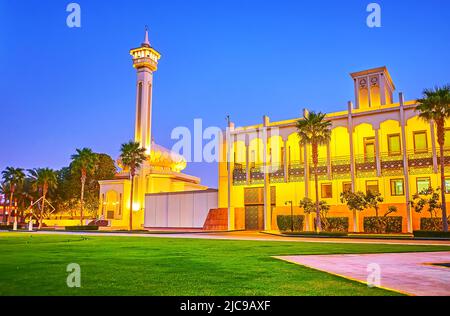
x=145, y=61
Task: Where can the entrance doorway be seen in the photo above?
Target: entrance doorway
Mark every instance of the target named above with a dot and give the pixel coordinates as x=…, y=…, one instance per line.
x=254, y=207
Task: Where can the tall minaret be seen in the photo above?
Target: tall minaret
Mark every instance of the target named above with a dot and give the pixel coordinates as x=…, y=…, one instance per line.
x=145, y=61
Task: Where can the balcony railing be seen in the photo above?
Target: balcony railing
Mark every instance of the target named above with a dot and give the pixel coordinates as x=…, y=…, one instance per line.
x=296, y=171
x=239, y=174
x=257, y=174
x=276, y=173
x=322, y=169
x=340, y=167
x=391, y=164
x=366, y=166
x=420, y=162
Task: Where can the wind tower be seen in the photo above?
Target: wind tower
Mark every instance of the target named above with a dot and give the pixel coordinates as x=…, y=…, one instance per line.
x=373, y=88
x=145, y=61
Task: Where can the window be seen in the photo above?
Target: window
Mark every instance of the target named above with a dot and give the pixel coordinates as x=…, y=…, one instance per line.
x=369, y=148
x=327, y=191
x=120, y=204
x=423, y=184
x=420, y=142
x=288, y=158
x=372, y=186
x=253, y=159
x=397, y=187
x=447, y=185
x=394, y=145
x=447, y=138
x=346, y=187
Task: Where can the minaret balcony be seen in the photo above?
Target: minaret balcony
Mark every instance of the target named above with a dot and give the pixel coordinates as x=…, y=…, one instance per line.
x=145, y=62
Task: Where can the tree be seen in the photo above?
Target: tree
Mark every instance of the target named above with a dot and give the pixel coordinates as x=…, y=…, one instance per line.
x=428, y=199
x=373, y=200
x=434, y=107
x=14, y=177
x=43, y=180
x=4, y=190
x=309, y=207
x=314, y=130
x=67, y=195
x=359, y=201
x=83, y=162
x=356, y=203
x=132, y=157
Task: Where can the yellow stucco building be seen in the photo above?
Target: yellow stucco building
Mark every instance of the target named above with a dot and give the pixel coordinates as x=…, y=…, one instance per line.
x=376, y=145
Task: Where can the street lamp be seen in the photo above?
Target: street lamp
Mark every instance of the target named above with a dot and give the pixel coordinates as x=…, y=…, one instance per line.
x=292, y=214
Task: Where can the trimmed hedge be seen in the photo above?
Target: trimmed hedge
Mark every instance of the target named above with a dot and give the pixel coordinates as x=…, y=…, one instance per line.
x=6, y=227
x=284, y=223
x=100, y=223
x=81, y=228
x=393, y=224
x=314, y=234
x=431, y=224
x=431, y=234
x=336, y=225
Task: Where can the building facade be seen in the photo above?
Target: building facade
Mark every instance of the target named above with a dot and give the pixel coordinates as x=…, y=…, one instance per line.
x=376, y=145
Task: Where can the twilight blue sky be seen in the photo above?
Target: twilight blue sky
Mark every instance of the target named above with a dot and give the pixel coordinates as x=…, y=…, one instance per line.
x=63, y=88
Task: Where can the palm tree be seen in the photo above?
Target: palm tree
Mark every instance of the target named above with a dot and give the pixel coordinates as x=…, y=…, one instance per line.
x=14, y=177
x=314, y=130
x=435, y=107
x=84, y=162
x=4, y=190
x=132, y=157
x=43, y=180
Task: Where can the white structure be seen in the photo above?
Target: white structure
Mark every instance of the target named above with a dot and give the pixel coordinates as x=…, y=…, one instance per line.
x=179, y=209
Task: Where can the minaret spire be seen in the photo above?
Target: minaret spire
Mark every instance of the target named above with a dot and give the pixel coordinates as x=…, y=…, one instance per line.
x=145, y=61
x=146, y=40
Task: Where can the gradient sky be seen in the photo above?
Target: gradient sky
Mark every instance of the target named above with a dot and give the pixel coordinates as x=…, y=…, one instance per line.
x=63, y=88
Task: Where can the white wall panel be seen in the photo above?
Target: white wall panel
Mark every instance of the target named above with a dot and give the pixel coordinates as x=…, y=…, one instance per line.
x=179, y=210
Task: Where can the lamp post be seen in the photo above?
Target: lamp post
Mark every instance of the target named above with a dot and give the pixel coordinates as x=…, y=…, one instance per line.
x=292, y=214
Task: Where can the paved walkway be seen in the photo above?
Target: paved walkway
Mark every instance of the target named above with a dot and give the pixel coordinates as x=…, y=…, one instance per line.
x=255, y=236
x=408, y=273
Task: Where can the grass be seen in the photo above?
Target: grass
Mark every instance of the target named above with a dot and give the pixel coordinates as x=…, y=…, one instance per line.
x=36, y=265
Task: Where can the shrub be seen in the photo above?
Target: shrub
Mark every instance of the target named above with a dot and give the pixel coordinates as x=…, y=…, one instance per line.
x=100, y=223
x=284, y=222
x=431, y=224
x=314, y=234
x=81, y=228
x=6, y=227
x=335, y=224
x=391, y=224
x=431, y=234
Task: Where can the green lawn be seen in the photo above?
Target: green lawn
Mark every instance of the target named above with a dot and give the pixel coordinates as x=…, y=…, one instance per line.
x=36, y=265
